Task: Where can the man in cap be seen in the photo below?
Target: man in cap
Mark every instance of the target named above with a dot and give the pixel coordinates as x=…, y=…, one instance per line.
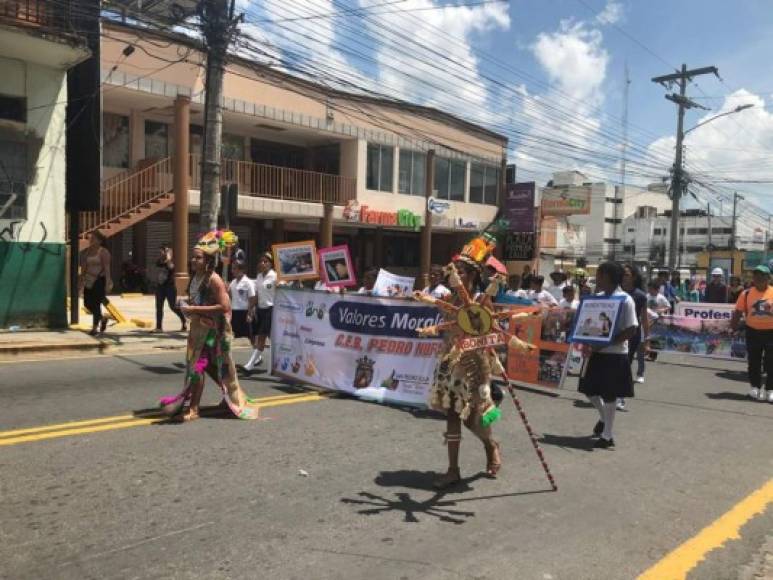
x=716, y=291
x=756, y=305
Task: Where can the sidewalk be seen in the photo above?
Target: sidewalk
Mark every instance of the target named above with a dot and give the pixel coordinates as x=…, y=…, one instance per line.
x=133, y=335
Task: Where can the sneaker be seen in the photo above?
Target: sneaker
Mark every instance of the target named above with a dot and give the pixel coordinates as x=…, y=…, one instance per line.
x=639, y=379
x=598, y=429
x=770, y=396
x=620, y=405
x=763, y=395
x=754, y=393
x=604, y=443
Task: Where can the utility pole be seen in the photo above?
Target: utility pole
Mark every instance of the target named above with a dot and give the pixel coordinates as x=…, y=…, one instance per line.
x=680, y=78
x=708, y=217
x=218, y=27
x=733, y=239
x=623, y=152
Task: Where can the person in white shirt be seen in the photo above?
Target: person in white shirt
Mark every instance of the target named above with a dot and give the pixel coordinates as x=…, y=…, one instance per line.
x=436, y=288
x=568, y=299
x=607, y=375
x=656, y=300
x=261, y=307
x=368, y=282
x=241, y=289
x=540, y=296
x=559, y=283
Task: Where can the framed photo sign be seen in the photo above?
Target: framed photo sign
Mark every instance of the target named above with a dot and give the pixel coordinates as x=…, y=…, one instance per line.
x=296, y=261
x=336, y=266
x=597, y=319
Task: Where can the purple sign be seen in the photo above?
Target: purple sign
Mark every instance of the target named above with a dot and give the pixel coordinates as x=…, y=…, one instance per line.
x=519, y=207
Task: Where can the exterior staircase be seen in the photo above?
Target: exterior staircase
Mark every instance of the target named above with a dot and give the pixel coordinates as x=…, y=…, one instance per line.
x=129, y=198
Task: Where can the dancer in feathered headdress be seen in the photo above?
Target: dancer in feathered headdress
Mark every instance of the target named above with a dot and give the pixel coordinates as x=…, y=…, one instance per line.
x=210, y=335
x=462, y=387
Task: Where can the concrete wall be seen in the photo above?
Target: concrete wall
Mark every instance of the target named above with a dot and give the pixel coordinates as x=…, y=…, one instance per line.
x=32, y=251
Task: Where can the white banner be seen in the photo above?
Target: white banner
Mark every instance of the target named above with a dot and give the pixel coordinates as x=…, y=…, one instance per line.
x=704, y=310
x=357, y=344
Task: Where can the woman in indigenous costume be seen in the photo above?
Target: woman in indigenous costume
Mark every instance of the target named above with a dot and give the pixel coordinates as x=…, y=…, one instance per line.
x=210, y=335
x=462, y=388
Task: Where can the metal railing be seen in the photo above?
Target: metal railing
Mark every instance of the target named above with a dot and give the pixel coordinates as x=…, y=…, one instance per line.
x=49, y=15
x=126, y=193
x=258, y=180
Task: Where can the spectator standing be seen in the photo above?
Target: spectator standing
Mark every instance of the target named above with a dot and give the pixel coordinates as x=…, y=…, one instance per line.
x=559, y=282
x=716, y=291
x=368, y=282
x=539, y=295
x=735, y=289
x=242, y=291
x=656, y=301
x=756, y=306
x=261, y=308
x=568, y=299
x=165, y=289
x=436, y=288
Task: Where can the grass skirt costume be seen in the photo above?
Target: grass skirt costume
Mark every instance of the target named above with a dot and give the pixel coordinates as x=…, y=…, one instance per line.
x=209, y=345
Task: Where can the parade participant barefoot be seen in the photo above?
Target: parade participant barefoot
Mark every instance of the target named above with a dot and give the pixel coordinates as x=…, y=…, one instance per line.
x=209, y=339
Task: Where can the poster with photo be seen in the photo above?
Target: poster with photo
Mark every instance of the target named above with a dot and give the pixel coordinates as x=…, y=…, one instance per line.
x=390, y=285
x=296, y=261
x=596, y=319
x=336, y=268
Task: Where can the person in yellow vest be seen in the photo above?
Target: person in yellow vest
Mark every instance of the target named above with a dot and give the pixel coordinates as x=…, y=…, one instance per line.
x=755, y=304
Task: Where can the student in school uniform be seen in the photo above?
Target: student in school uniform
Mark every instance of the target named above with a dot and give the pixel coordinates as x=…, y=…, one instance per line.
x=608, y=372
x=242, y=291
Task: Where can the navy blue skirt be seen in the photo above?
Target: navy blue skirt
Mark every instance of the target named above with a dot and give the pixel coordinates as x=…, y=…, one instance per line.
x=607, y=376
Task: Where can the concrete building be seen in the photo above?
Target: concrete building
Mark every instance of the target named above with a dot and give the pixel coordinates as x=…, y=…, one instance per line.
x=309, y=162
x=38, y=44
x=647, y=235
x=592, y=215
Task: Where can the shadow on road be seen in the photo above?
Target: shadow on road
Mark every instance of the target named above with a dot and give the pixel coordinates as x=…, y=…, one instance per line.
x=583, y=443
x=739, y=376
x=582, y=404
x=728, y=396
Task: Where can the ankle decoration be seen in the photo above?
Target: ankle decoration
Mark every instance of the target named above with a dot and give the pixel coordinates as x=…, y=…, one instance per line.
x=451, y=438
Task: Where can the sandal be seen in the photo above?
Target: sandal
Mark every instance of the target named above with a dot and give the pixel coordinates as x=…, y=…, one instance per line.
x=452, y=477
x=185, y=417
x=103, y=326
x=493, y=460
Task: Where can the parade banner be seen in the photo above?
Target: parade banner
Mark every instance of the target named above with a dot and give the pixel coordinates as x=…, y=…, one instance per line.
x=548, y=332
x=519, y=207
x=705, y=331
x=360, y=345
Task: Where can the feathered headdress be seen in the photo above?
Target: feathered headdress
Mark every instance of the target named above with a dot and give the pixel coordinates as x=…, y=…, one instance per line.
x=217, y=241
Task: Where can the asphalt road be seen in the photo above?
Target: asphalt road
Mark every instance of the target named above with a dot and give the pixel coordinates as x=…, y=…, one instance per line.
x=222, y=498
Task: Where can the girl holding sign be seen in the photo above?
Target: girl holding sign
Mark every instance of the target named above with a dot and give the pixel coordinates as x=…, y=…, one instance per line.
x=607, y=375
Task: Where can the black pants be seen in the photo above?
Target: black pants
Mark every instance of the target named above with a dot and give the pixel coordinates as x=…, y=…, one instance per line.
x=759, y=351
x=94, y=297
x=166, y=292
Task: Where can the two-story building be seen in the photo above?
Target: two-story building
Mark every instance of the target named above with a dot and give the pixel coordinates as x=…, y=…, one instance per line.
x=305, y=157
x=39, y=42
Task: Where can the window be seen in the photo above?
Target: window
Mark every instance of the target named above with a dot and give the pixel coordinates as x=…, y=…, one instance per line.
x=13, y=185
x=449, y=178
x=233, y=147
x=380, y=165
x=613, y=220
x=13, y=108
x=611, y=240
x=721, y=230
x=697, y=231
x=412, y=173
x=196, y=139
x=694, y=248
x=660, y=231
x=484, y=184
x=631, y=230
x=115, y=140
x=156, y=140
x=613, y=200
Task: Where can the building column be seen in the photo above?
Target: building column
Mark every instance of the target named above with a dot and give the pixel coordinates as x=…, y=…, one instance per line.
x=326, y=235
x=422, y=281
x=182, y=118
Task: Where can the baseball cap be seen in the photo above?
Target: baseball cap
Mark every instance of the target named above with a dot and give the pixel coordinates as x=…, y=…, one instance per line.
x=717, y=272
x=763, y=269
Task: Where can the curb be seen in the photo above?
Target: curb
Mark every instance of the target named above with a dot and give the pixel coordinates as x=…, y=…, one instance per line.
x=11, y=350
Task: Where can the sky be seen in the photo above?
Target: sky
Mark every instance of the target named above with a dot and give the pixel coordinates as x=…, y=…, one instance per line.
x=550, y=75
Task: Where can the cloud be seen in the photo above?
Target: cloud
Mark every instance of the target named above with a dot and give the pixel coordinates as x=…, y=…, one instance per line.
x=563, y=122
x=611, y=14
x=738, y=146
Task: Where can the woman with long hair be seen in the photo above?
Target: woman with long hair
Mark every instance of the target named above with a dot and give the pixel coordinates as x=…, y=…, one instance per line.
x=96, y=280
x=462, y=400
x=209, y=339
x=607, y=375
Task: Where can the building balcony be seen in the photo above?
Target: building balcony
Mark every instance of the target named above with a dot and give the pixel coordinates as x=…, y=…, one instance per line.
x=43, y=15
x=280, y=183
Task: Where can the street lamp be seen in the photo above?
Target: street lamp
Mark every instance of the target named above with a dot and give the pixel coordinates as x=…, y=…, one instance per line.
x=738, y=109
x=678, y=182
